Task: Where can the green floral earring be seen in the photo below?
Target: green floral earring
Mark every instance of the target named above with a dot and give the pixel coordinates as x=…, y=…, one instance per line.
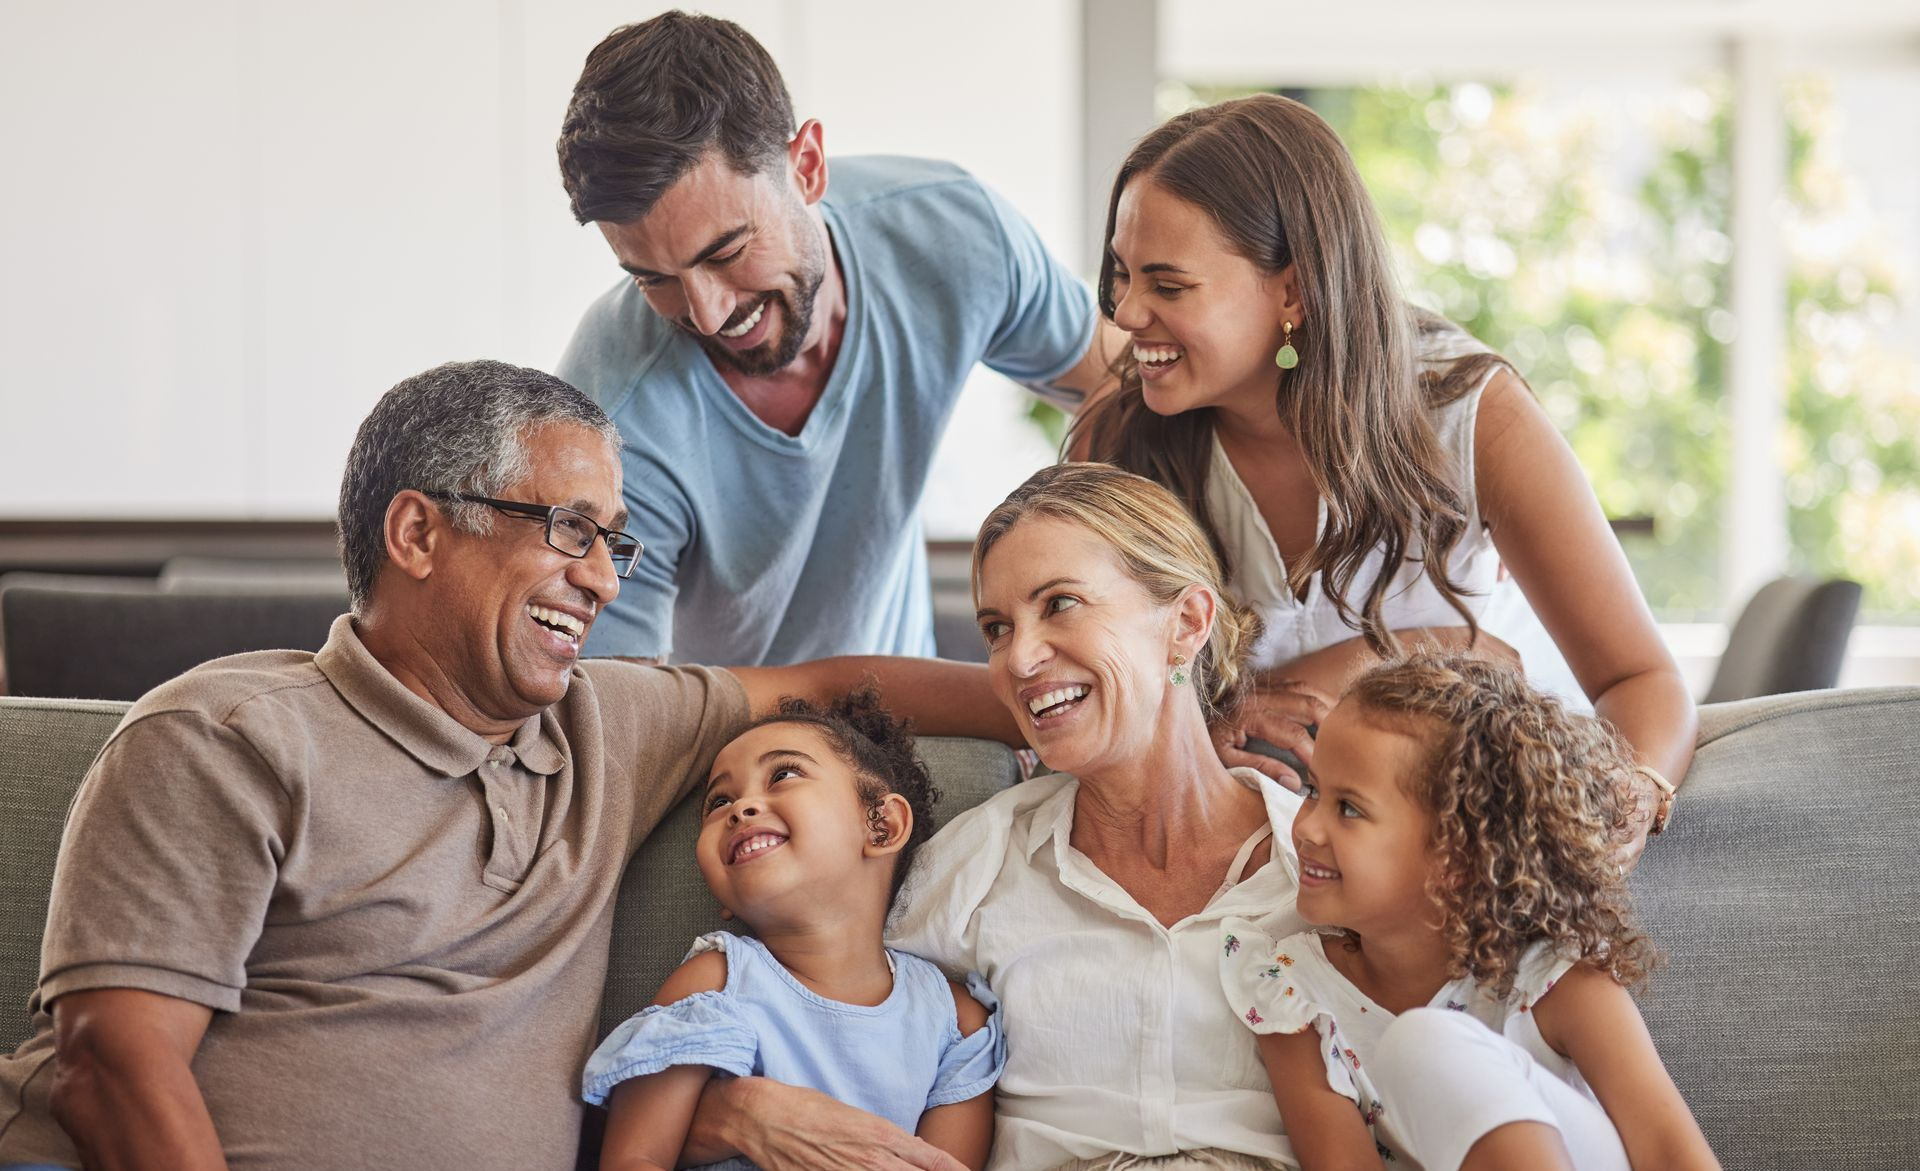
x=1178, y=676
x=1288, y=357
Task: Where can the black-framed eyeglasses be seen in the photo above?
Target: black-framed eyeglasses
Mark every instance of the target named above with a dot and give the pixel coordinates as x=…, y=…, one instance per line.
x=568, y=531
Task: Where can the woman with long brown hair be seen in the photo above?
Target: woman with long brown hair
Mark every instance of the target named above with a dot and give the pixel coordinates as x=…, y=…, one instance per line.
x=1364, y=468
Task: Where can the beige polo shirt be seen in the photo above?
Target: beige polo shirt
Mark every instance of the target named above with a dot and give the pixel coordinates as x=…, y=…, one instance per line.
x=403, y=929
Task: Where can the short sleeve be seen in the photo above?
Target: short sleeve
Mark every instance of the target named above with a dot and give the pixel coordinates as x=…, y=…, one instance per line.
x=1268, y=984
x=658, y=730
x=1049, y=318
x=706, y=1028
x=639, y=622
x=169, y=861
x=972, y=1064
x=1541, y=967
x=1256, y=973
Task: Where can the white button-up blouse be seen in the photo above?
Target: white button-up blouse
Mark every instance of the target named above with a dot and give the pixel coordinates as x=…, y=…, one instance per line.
x=1118, y=1036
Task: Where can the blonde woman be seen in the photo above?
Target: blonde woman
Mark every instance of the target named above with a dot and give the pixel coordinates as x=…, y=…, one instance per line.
x=1364, y=469
x=1091, y=899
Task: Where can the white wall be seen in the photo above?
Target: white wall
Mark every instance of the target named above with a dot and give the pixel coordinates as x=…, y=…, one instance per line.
x=227, y=227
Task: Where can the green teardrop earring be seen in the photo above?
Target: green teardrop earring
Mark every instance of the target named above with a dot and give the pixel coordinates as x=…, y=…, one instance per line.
x=1288, y=357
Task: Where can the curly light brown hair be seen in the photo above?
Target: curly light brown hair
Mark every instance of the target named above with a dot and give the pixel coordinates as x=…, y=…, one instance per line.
x=1530, y=803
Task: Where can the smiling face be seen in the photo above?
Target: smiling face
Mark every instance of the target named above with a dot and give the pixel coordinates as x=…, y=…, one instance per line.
x=1078, y=650
x=784, y=821
x=733, y=260
x=1364, y=841
x=510, y=610
x=1205, y=321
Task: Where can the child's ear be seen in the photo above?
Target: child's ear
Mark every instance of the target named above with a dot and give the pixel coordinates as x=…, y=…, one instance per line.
x=889, y=825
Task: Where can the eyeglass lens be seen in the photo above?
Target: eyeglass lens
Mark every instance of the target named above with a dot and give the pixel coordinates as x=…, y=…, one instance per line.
x=572, y=533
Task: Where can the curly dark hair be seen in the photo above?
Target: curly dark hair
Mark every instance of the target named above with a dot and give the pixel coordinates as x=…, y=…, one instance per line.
x=1530, y=803
x=880, y=749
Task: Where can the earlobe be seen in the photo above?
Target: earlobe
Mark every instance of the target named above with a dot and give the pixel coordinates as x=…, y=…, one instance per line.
x=889, y=825
x=1193, y=620
x=412, y=533
x=807, y=157
x=1288, y=288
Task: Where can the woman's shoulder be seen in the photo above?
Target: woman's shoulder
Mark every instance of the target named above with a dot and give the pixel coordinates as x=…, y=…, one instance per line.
x=954, y=872
x=998, y=816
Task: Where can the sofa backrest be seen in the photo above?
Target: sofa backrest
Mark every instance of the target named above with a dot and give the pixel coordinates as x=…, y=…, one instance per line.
x=1786, y=899
x=1783, y=895
x=112, y=642
x=46, y=746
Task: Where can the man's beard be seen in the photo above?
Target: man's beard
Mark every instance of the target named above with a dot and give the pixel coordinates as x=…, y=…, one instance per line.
x=796, y=318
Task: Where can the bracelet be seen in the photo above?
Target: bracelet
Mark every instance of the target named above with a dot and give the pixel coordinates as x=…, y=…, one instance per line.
x=1666, y=787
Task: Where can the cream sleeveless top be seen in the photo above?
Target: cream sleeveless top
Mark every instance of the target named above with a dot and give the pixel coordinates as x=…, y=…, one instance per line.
x=1295, y=627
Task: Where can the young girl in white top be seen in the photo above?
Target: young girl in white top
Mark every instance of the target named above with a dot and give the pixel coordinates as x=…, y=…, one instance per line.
x=1465, y=1002
x=811, y=816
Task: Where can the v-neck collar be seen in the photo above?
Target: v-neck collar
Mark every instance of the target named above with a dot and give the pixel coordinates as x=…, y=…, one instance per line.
x=1273, y=592
x=835, y=395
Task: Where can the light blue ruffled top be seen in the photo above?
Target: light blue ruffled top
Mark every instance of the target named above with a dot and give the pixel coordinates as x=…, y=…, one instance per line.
x=896, y=1059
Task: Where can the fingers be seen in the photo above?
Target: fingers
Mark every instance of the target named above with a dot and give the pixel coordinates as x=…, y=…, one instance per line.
x=1292, y=700
x=1276, y=736
x=1268, y=766
x=924, y=1155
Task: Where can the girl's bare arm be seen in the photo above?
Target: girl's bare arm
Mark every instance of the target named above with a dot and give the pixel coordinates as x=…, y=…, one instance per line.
x=649, y=1117
x=1592, y=1021
x=1325, y=1127
x=963, y=1129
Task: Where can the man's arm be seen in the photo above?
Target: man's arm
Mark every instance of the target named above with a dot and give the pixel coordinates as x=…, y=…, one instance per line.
x=123, y=1083
x=1092, y=377
x=942, y=698
x=786, y=1128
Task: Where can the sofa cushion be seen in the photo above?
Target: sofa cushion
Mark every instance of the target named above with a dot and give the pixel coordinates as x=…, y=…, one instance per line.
x=1787, y=901
x=46, y=746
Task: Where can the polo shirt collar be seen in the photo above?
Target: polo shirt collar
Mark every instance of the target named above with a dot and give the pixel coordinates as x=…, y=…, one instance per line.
x=429, y=735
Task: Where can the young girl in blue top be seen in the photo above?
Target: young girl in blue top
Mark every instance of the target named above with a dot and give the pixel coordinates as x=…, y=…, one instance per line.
x=1465, y=1003
x=811, y=817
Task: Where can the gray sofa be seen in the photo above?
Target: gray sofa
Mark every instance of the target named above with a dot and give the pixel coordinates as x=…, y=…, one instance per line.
x=1785, y=897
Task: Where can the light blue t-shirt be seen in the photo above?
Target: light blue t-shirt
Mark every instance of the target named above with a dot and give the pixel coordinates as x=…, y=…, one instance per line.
x=764, y=548
x=895, y=1060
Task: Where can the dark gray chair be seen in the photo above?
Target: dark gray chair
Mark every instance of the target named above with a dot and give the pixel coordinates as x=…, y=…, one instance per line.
x=87, y=641
x=253, y=575
x=1792, y=636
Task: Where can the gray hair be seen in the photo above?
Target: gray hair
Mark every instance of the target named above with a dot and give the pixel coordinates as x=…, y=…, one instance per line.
x=458, y=428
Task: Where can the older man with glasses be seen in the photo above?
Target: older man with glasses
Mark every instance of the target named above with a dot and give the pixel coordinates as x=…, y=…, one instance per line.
x=351, y=909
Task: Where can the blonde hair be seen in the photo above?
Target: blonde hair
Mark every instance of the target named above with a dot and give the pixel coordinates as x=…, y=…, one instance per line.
x=1530, y=802
x=1283, y=191
x=1163, y=548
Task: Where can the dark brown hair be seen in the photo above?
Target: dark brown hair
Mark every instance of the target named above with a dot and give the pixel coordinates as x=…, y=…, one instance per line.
x=1530, y=803
x=1280, y=186
x=880, y=750
x=654, y=98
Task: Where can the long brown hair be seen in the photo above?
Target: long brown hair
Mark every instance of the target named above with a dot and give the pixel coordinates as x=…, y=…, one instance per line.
x=1280, y=186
